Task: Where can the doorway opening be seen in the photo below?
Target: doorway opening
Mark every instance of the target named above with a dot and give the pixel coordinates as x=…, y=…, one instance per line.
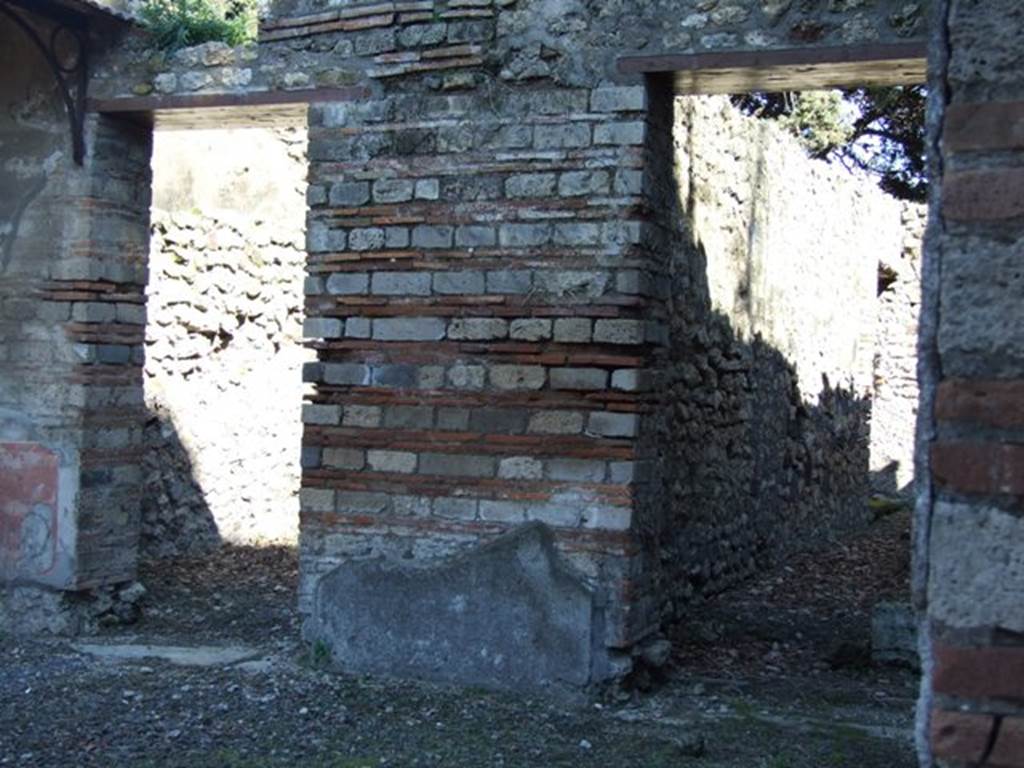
x=223, y=373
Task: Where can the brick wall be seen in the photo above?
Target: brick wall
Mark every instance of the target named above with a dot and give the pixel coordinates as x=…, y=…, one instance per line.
x=761, y=435
x=970, y=528
x=477, y=281
x=72, y=278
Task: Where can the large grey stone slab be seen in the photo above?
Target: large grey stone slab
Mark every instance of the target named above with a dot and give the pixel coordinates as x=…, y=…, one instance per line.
x=508, y=614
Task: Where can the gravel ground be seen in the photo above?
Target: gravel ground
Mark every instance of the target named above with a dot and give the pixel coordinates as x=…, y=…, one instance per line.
x=756, y=683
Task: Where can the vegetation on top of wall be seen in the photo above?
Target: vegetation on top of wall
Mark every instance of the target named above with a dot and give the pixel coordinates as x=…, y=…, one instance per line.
x=877, y=130
x=178, y=24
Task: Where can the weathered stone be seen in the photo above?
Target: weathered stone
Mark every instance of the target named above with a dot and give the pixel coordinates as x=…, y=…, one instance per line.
x=408, y=328
x=466, y=616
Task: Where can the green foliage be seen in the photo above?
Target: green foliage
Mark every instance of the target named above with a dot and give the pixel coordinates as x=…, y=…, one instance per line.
x=817, y=120
x=178, y=24
x=877, y=130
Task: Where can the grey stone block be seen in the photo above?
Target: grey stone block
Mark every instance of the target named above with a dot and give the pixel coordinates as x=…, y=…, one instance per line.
x=131, y=313
x=504, y=421
x=467, y=376
x=430, y=236
x=577, y=233
x=619, y=331
x=349, y=193
x=458, y=282
x=619, y=99
x=530, y=185
x=631, y=380
x=344, y=458
x=113, y=354
x=346, y=374
x=401, y=376
x=502, y=511
x=579, y=470
x=348, y=283
x=572, y=330
x=474, y=236
x=393, y=190
x=367, y=239
x=409, y=417
x=477, y=328
x=399, y=462
x=316, y=499
x=530, y=329
x=576, y=183
x=561, y=136
x=456, y=465
x=428, y=189
x=623, y=134
x=314, y=413
x=894, y=635
x=322, y=328
x=409, y=328
x=357, y=328
x=521, y=468
x=524, y=235
x=93, y=312
x=400, y=284
x=362, y=416
x=579, y=378
x=508, y=614
x=455, y=508
x=396, y=237
x=556, y=422
x=628, y=182
x=509, y=281
x=455, y=419
x=609, y=424
x=517, y=376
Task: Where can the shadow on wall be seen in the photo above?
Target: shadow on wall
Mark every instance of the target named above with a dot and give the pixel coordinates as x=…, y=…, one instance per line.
x=885, y=482
x=176, y=519
x=761, y=446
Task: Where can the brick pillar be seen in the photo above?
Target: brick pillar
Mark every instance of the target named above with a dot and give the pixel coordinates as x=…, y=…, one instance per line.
x=479, y=302
x=71, y=409
x=970, y=529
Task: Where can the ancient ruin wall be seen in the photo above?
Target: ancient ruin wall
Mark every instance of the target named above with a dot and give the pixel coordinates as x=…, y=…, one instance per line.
x=969, y=531
x=769, y=373
x=895, y=392
x=71, y=318
x=224, y=344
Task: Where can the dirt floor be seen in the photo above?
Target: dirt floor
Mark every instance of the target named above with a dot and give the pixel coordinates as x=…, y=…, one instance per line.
x=773, y=675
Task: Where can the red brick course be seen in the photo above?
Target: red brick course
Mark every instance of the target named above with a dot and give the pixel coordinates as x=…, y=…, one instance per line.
x=960, y=735
x=994, y=195
x=990, y=125
x=978, y=673
x=976, y=467
x=986, y=403
x=1008, y=751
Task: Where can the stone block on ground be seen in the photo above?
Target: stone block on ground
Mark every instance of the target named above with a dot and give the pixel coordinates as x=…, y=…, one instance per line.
x=894, y=635
x=506, y=614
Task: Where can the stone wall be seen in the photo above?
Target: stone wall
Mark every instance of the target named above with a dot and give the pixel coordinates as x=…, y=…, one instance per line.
x=969, y=571
x=894, y=403
x=442, y=44
x=224, y=348
x=761, y=441
x=486, y=282
x=72, y=311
